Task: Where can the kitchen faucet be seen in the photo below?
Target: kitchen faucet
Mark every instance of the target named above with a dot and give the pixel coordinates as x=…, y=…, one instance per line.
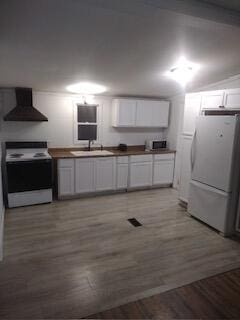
x=89, y=145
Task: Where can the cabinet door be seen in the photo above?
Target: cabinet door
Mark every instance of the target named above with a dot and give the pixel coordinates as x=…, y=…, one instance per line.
x=212, y=99
x=105, y=174
x=191, y=111
x=144, y=113
x=163, y=172
x=152, y=113
x=124, y=112
x=122, y=175
x=160, y=114
x=185, y=168
x=85, y=174
x=66, y=181
x=140, y=174
x=232, y=99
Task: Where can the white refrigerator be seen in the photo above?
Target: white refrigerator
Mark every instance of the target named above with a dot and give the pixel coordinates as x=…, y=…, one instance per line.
x=215, y=178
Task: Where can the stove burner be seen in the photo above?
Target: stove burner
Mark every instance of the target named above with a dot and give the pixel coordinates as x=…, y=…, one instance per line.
x=39, y=154
x=16, y=155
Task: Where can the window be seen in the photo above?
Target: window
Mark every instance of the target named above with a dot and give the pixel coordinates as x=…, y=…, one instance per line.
x=86, y=123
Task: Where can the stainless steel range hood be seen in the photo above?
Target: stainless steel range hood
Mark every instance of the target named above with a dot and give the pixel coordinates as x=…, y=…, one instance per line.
x=24, y=111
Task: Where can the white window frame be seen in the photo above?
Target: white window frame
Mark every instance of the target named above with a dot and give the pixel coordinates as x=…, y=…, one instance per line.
x=76, y=123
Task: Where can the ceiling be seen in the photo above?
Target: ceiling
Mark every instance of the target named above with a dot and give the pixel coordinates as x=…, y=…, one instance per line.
x=125, y=45
x=227, y=4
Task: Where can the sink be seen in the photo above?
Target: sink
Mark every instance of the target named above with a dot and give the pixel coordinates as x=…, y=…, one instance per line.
x=91, y=153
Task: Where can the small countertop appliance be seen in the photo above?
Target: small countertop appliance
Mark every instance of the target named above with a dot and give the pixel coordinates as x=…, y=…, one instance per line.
x=151, y=145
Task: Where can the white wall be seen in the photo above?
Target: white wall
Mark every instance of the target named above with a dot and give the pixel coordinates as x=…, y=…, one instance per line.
x=176, y=118
x=58, y=131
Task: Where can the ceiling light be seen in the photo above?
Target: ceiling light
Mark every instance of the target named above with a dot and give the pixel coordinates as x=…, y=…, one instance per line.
x=183, y=71
x=86, y=88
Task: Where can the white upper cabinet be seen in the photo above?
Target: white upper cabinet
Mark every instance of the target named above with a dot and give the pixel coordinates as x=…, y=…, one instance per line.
x=212, y=99
x=232, y=99
x=143, y=114
x=191, y=111
x=160, y=113
x=124, y=113
x=140, y=113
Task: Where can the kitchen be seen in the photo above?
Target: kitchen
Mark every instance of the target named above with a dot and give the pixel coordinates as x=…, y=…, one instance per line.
x=117, y=216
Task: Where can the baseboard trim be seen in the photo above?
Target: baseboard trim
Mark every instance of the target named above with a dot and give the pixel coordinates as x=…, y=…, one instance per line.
x=111, y=192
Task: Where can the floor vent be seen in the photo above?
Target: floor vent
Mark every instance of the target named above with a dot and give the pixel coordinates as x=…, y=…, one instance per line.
x=134, y=222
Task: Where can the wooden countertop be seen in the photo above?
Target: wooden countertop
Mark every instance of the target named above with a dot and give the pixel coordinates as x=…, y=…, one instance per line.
x=65, y=153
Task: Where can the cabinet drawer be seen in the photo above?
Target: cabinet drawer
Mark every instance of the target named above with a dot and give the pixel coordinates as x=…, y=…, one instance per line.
x=123, y=159
x=141, y=158
x=165, y=156
x=65, y=163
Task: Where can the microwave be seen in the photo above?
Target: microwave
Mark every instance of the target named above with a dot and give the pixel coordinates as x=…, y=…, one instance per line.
x=155, y=144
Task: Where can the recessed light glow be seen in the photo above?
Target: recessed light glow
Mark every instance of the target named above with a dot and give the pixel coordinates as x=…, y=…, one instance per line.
x=86, y=88
x=183, y=71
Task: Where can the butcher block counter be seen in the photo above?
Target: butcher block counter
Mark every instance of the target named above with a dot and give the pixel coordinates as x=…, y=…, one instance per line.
x=79, y=172
x=66, y=153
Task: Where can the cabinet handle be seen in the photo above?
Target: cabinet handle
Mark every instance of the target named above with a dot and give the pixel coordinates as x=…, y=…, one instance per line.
x=221, y=107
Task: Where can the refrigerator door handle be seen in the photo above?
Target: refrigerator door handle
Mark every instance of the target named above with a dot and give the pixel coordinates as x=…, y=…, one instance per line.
x=192, y=153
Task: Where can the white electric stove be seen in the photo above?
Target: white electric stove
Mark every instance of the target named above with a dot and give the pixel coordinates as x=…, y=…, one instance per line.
x=28, y=173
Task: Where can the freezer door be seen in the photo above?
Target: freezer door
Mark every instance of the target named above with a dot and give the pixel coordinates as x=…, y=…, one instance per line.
x=208, y=205
x=212, y=151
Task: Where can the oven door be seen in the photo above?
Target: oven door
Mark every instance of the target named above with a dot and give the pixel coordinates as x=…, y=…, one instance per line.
x=29, y=175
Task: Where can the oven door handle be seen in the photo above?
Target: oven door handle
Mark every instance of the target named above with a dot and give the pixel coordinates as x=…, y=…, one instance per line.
x=29, y=161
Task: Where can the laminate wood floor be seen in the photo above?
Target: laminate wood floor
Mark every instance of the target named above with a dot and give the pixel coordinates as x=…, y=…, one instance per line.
x=70, y=259
x=216, y=297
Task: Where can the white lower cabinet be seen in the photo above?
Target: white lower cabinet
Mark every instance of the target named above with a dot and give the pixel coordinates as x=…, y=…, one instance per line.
x=90, y=175
x=66, y=179
x=163, y=169
x=84, y=175
x=105, y=173
x=122, y=173
x=140, y=171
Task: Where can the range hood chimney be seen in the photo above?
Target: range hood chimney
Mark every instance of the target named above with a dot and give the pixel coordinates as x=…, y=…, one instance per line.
x=24, y=111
